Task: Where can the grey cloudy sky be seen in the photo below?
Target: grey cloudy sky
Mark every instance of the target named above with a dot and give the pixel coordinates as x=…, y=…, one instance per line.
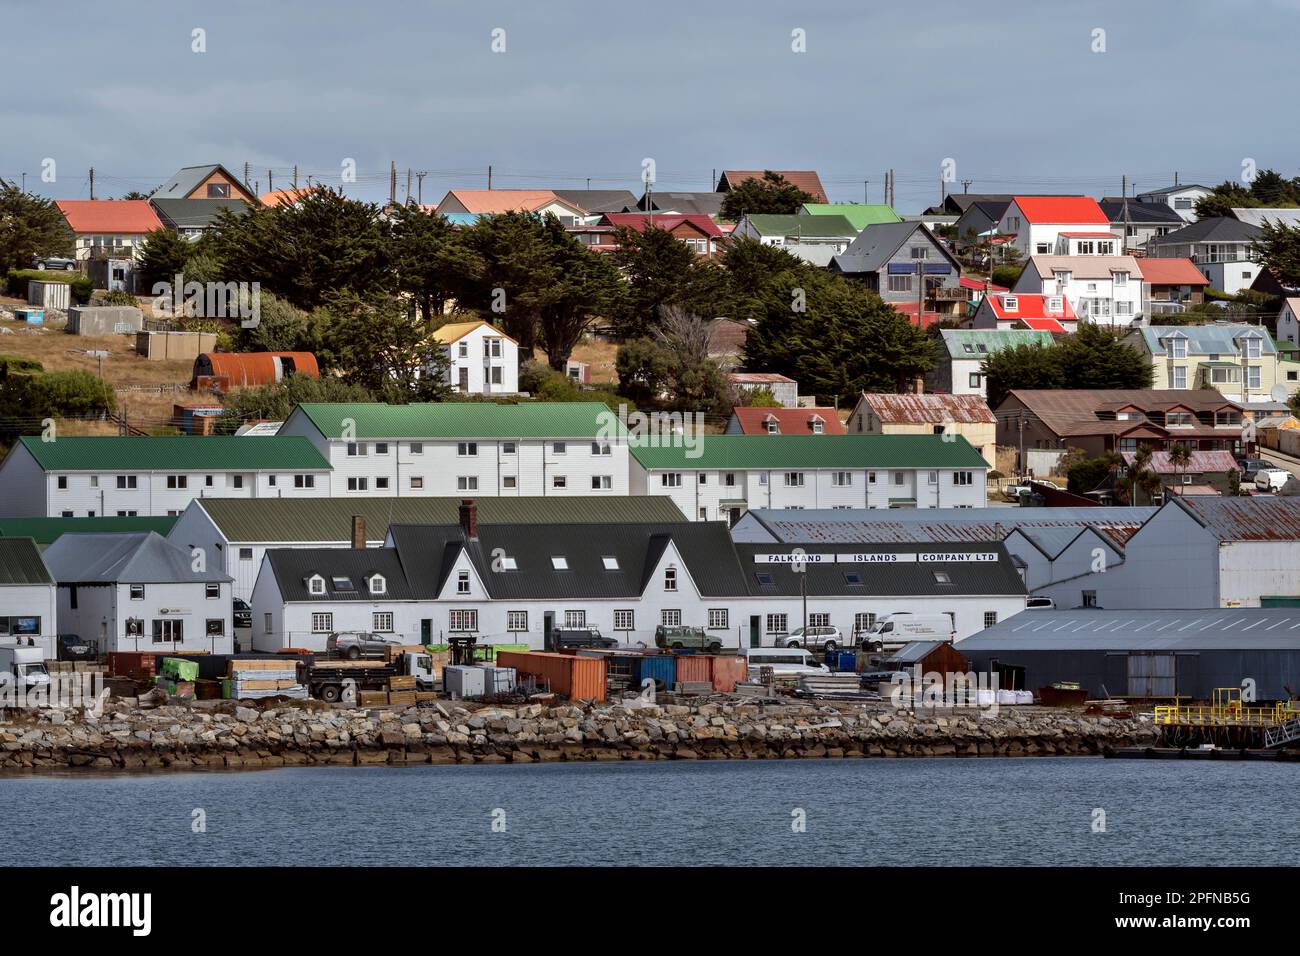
x=1009, y=90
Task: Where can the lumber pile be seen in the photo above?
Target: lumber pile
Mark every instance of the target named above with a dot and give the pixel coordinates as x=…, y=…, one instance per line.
x=262, y=678
x=840, y=686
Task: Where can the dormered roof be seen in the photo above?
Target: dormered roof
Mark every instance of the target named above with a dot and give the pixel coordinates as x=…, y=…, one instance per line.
x=1032, y=306
x=1206, y=339
x=1087, y=267
x=790, y=421
x=294, y=567
x=980, y=343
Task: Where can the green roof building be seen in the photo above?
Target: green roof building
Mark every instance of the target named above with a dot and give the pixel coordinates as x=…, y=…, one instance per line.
x=859, y=215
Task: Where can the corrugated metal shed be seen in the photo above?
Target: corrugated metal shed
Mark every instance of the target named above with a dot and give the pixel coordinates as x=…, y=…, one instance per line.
x=20, y=563
x=254, y=368
x=1255, y=518
x=915, y=409
x=1095, y=629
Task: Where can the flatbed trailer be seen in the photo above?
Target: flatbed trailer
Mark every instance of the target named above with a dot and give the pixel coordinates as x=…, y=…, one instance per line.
x=328, y=680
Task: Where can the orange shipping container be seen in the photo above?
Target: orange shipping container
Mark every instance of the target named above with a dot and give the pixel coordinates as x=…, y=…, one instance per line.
x=727, y=671
x=694, y=668
x=578, y=678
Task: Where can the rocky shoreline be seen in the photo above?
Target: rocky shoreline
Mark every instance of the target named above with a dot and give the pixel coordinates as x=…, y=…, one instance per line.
x=230, y=736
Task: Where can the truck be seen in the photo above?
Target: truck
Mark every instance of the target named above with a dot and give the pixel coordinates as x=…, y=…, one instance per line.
x=23, y=666
x=328, y=679
x=903, y=627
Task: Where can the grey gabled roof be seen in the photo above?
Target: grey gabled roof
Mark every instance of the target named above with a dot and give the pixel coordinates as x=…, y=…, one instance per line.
x=1140, y=212
x=1172, y=189
x=877, y=243
x=138, y=558
x=705, y=203
x=195, y=213
x=1094, y=629
x=188, y=178
x=598, y=200
x=293, y=567
x=20, y=563
x=1218, y=229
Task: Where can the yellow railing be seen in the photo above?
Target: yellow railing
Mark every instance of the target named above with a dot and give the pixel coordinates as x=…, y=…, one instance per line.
x=1226, y=710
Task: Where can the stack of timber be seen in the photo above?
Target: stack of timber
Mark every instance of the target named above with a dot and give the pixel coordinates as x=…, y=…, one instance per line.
x=262, y=678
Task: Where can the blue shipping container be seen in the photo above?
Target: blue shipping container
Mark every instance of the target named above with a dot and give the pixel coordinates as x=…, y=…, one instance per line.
x=662, y=670
x=848, y=661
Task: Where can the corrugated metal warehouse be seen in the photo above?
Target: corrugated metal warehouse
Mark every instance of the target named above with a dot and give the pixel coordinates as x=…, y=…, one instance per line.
x=1148, y=654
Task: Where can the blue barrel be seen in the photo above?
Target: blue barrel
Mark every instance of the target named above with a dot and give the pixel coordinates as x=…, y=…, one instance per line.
x=661, y=669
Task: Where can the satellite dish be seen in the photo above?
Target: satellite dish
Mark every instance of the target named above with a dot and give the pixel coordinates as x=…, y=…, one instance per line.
x=1279, y=393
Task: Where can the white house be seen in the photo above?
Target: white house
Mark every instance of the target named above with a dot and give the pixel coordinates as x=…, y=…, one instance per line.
x=96, y=475
x=1220, y=247
x=960, y=369
x=1102, y=289
x=467, y=448
x=725, y=475
x=137, y=592
x=482, y=360
x=1039, y=223
x=28, y=611
x=1181, y=199
x=511, y=584
x=1288, y=321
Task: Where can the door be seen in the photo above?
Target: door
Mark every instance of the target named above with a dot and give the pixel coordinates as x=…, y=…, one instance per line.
x=548, y=627
x=426, y=630
x=755, y=630
x=464, y=379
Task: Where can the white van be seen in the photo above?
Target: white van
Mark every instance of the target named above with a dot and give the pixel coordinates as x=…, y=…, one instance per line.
x=786, y=662
x=904, y=627
x=1271, y=479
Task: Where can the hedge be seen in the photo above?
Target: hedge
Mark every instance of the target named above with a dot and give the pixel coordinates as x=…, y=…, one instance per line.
x=20, y=363
x=16, y=282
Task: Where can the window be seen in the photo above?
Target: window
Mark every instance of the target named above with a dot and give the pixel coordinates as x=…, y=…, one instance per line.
x=463, y=619
x=671, y=479
x=871, y=477
x=1089, y=599
x=1055, y=304
x=703, y=478
x=304, y=481
x=126, y=481
x=63, y=483
x=168, y=631
x=509, y=481
x=794, y=479
x=777, y=624
x=271, y=480
x=358, y=484
x=990, y=618
x=601, y=448
x=245, y=554
x=462, y=582
x=900, y=283
x=494, y=347
x=575, y=618
x=819, y=620
x=466, y=448
x=342, y=583
x=899, y=478
x=559, y=482
x=1123, y=308
x=378, y=584
x=559, y=562
x=212, y=591
x=1010, y=303
x=65, y=514
x=773, y=426
x=207, y=480
x=853, y=579
x=381, y=448
x=763, y=578
x=841, y=479
x=933, y=477
x=1180, y=378
x=137, y=592
x=670, y=617
x=237, y=481
x=602, y=482
x=718, y=619
x=507, y=448
x=610, y=562
x=729, y=479
x=127, y=514
x=417, y=448
x=516, y=620
x=316, y=584
x=463, y=351
x=942, y=577
x=382, y=621
x=1252, y=348
x=509, y=563
x=417, y=481
x=219, y=190
x=381, y=484
x=963, y=478
x=818, y=426
x=1253, y=376
x=670, y=579
x=356, y=449
x=1178, y=348
x=559, y=448
x=1121, y=278
x=624, y=619
x=863, y=621
x=467, y=483
x=268, y=622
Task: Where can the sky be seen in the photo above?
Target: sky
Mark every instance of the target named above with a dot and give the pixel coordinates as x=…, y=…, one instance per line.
x=1015, y=96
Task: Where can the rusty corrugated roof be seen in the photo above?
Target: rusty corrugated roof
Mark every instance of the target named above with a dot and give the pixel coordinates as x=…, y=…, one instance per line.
x=914, y=409
x=1261, y=518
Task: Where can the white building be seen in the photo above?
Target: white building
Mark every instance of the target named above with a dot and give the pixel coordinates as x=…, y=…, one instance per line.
x=1181, y=199
x=137, y=592
x=235, y=533
x=1037, y=224
x=960, y=369
x=467, y=448
x=98, y=475
x=1102, y=289
x=1221, y=249
x=482, y=360
x=28, y=611
x=1288, y=321
x=725, y=475
x=511, y=584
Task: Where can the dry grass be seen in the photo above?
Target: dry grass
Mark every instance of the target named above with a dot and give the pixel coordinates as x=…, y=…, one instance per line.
x=597, y=352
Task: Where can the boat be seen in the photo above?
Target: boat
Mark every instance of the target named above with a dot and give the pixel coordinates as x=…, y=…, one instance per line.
x=1062, y=694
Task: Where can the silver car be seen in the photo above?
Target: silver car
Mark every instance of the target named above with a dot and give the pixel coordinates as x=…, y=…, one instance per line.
x=819, y=638
x=355, y=645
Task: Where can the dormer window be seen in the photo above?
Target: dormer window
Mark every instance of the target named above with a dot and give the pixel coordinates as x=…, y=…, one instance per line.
x=378, y=585
x=1054, y=304
x=1176, y=346
x=1121, y=278
x=316, y=584
x=818, y=425
x=559, y=562
x=1010, y=303
x=1251, y=346
x=610, y=562
x=773, y=425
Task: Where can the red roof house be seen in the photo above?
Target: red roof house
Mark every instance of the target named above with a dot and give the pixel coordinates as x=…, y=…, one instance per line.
x=1021, y=310
x=804, y=179
x=785, y=421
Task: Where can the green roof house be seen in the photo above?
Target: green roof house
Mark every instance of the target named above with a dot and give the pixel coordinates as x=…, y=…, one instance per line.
x=859, y=215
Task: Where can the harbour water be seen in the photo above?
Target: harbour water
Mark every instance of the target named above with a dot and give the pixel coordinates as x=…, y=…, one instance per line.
x=936, y=811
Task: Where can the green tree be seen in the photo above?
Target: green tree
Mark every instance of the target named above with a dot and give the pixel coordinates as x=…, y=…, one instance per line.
x=1094, y=474
x=771, y=194
x=1180, y=456
x=30, y=227
x=660, y=270
x=644, y=371
x=1278, y=250
x=281, y=327
x=1093, y=357
x=379, y=346
x=274, y=402
x=428, y=259
x=27, y=399
x=164, y=254
x=1222, y=199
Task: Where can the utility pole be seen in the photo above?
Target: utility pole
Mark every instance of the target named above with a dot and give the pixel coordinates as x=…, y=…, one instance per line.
x=920, y=294
x=408, y=183
x=965, y=186
x=295, y=175
x=866, y=197
x=92, y=182
x=588, y=184
x=1123, y=189
x=392, y=182
x=419, y=188
x=247, y=173
x=1175, y=178
x=489, y=177
x=270, y=182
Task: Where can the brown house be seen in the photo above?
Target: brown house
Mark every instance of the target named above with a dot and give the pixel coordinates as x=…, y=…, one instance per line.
x=1175, y=281
x=204, y=182
x=1104, y=420
x=699, y=232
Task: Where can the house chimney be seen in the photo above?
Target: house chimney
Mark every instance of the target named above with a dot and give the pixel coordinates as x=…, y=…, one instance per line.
x=359, y=532
x=469, y=518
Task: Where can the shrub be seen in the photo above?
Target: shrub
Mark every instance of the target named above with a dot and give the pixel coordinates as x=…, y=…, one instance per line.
x=1006, y=275
x=18, y=363
x=118, y=297
x=16, y=282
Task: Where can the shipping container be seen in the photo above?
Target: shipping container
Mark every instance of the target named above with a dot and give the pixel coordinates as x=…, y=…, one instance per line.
x=136, y=664
x=727, y=670
x=660, y=669
x=694, y=669
x=577, y=677
x=462, y=680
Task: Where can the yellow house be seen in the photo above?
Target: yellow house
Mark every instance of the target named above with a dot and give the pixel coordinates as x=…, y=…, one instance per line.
x=1241, y=362
x=879, y=413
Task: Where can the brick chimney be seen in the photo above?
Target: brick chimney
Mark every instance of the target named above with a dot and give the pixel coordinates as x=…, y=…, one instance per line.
x=469, y=518
x=359, y=532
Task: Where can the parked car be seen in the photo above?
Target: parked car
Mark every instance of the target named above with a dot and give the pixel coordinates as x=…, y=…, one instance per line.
x=1250, y=467
x=55, y=264
x=243, y=614
x=1272, y=479
x=681, y=637
x=815, y=638
x=70, y=647
x=581, y=637
x=1039, y=604
x=355, y=645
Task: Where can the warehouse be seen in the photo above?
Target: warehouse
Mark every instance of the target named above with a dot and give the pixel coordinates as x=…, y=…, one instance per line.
x=511, y=583
x=1148, y=653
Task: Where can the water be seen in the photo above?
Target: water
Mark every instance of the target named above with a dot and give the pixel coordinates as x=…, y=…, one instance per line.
x=930, y=811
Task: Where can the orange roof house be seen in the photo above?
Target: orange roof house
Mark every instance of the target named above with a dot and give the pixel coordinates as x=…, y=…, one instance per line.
x=109, y=216
x=804, y=179
x=494, y=201
x=785, y=421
